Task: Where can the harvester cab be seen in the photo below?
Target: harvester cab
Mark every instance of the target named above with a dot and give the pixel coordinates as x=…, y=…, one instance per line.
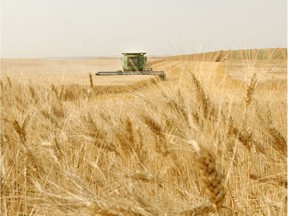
x=134, y=64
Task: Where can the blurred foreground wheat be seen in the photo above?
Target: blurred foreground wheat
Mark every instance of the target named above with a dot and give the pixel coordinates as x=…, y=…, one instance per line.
x=172, y=150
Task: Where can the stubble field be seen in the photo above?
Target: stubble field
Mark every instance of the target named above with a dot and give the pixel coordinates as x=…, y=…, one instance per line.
x=211, y=140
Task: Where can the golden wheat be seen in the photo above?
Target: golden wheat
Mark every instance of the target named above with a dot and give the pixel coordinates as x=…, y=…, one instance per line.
x=116, y=150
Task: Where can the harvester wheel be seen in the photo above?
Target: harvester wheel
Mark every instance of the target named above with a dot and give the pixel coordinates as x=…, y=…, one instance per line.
x=162, y=77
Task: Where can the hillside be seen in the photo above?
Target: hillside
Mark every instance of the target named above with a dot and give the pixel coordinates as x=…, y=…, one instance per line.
x=249, y=54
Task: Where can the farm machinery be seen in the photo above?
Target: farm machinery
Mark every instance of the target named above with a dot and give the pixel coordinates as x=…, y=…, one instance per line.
x=134, y=64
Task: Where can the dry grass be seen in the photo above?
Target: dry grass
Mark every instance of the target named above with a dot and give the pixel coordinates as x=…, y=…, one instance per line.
x=200, y=143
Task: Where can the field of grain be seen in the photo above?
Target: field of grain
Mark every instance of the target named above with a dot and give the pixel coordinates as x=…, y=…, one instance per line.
x=211, y=140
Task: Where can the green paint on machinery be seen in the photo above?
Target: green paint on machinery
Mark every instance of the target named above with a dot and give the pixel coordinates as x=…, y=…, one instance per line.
x=134, y=61
x=134, y=64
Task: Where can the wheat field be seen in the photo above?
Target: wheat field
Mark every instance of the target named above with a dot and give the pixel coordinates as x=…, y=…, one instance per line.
x=211, y=140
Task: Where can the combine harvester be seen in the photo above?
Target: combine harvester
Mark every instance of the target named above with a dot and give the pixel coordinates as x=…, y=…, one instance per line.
x=134, y=64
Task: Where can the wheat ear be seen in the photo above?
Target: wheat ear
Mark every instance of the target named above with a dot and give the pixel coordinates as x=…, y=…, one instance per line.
x=91, y=81
x=250, y=90
x=209, y=110
x=212, y=179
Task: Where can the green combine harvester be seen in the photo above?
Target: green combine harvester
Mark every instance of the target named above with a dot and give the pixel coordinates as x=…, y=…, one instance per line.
x=134, y=64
